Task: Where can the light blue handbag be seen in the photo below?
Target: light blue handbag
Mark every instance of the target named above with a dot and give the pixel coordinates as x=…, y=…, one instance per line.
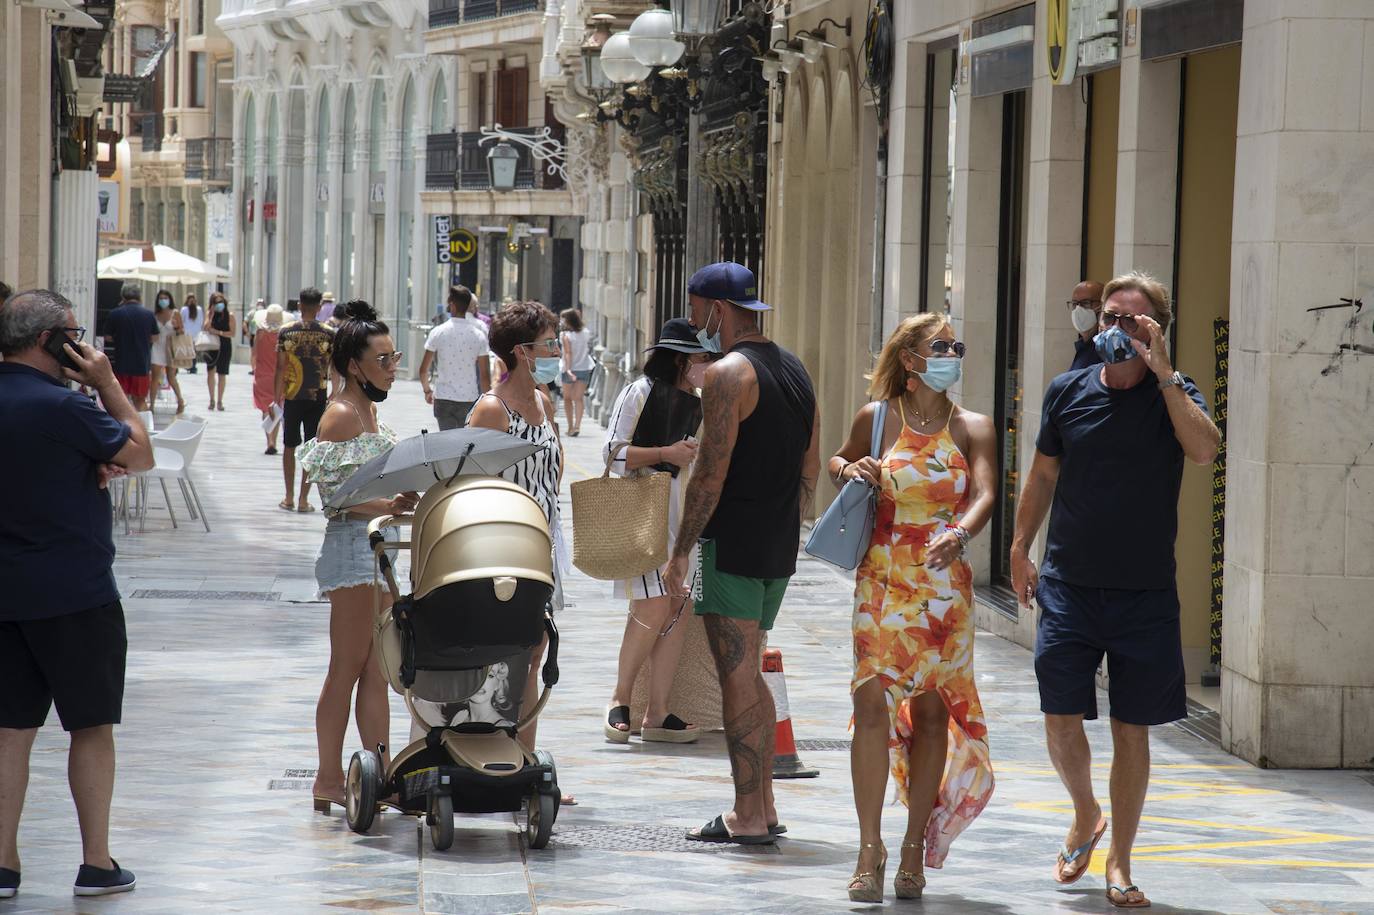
x=842, y=534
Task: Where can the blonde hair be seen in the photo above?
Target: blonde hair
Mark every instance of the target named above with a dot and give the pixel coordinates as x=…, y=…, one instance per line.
x=888, y=378
x=1145, y=284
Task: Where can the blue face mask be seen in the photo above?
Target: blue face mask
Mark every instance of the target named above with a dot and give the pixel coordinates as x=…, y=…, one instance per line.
x=941, y=373
x=710, y=342
x=1114, y=345
x=546, y=369
x=219, y=306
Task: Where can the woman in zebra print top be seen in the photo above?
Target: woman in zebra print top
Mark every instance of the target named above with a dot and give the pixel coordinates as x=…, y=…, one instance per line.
x=524, y=336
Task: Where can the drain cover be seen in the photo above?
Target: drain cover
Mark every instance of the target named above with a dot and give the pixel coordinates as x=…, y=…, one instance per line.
x=821, y=744
x=157, y=594
x=631, y=838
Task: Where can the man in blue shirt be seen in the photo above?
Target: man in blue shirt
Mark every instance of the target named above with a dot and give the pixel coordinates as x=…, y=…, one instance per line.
x=1084, y=306
x=61, y=624
x=1110, y=458
x=131, y=329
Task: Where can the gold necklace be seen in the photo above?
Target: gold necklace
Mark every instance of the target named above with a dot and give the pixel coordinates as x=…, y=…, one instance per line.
x=925, y=420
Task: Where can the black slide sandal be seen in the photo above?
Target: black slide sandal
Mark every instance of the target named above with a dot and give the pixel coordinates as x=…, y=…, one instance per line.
x=715, y=831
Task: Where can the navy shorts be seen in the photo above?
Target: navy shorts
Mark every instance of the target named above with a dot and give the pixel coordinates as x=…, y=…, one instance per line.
x=1138, y=631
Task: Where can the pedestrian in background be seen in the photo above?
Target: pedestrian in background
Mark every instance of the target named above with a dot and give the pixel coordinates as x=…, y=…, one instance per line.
x=458, y=352
x=524, y=335
x=265, y=373
x=304, y=353
x=350, y=434
x=62, y=636
x=1108, y=466
x=659, y=415
x=327, y=306
x=913, y=689
x=754, y=479
x=162, y=363
x=577, y=368
x=192, y=317
x=221, y=324
x=1084, y=306
x=130, y=328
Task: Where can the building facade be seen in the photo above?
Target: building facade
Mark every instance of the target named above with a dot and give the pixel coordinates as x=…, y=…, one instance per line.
x=1221, y=146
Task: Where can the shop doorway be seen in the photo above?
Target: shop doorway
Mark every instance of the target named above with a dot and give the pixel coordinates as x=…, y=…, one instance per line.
x=1208, y=98
x=1011, y=257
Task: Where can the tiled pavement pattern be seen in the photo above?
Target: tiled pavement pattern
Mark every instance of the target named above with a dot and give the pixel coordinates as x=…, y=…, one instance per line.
x=217, y=749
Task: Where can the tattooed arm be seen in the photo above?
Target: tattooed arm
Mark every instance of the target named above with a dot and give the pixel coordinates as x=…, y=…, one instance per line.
x=811, y=467
x=730, y=393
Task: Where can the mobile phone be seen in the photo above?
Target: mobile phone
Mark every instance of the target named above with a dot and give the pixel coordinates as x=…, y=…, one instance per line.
x=55, y=348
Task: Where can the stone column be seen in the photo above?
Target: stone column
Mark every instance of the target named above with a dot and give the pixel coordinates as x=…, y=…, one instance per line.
x=391, y=248
x=336, y=193
x=310, y=196
x=1297, y=682
x=262, y=107
x=1146, y=165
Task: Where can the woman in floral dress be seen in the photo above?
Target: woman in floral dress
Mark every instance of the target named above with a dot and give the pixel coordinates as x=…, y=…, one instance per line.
x=916, y=707
x=349, y=436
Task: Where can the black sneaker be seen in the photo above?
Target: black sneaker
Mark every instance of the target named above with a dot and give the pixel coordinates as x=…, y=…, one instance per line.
x=94, y=881
x=9, y=882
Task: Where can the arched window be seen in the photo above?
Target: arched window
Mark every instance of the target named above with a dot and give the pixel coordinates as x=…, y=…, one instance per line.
x=408, y=127
x=322, y=134
x=376, y=126
x=439, y=121
x=350, y=131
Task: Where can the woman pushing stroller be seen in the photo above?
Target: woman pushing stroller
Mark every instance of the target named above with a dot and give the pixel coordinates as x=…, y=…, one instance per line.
x=350, y=434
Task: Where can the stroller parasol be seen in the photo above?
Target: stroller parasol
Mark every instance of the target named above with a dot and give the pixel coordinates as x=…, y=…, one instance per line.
x=417, y=463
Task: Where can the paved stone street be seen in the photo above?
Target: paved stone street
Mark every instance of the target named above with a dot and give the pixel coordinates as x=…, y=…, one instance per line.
x=228, y=646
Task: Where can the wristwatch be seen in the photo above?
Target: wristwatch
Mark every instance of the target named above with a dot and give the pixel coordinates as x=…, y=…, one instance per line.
x=1175, y=379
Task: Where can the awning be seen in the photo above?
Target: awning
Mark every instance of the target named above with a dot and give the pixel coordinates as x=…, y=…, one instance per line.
x=167, y=265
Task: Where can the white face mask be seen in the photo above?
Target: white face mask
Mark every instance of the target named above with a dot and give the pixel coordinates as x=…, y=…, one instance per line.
x=1084, y=319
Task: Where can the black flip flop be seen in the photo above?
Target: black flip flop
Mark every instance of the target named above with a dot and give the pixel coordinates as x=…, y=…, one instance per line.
x=778, y=830
x=715, y=831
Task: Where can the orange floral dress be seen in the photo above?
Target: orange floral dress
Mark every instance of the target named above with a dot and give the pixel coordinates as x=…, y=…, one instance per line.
x=913, y=627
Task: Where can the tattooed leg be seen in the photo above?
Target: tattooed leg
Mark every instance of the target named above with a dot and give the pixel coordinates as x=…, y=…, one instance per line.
x=749, y=720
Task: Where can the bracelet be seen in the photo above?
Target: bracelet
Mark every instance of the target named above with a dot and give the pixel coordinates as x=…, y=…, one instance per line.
x=839, y=477
x=964, y=537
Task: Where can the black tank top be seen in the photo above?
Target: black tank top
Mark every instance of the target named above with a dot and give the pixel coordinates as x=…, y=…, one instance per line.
x=757, y=523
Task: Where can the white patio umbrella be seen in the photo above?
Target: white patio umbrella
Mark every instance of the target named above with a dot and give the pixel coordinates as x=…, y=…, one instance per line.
x=168, y=265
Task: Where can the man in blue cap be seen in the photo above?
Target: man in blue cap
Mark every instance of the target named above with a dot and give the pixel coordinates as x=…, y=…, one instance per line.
x=754, y=478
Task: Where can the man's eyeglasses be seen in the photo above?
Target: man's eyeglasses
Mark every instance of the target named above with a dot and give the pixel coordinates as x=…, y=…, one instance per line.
x=548, y=346
x=1127, y=322
x=386, y=359
x=77, y=334
x=1084, y=303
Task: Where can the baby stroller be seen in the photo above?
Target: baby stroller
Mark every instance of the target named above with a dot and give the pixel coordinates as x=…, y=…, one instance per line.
x=481, y=581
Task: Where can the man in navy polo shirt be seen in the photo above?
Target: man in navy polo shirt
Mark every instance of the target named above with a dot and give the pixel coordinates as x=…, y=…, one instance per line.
x=131, y=329
x=1110, y=456
x=61, y=624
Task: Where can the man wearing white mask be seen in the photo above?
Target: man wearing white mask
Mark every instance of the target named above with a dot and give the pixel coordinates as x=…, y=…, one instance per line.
x=1084, y=306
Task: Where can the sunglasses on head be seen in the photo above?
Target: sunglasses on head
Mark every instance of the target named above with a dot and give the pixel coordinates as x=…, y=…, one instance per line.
x=1127, y=322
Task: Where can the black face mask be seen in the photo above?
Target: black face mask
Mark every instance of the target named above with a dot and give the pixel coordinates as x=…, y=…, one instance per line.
x=374, y=393
x=55, y=348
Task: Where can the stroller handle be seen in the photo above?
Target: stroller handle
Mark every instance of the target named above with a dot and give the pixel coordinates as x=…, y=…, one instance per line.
x=376, y=538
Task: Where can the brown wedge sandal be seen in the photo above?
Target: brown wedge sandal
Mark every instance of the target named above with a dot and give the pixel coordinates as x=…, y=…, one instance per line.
x=909, y=885
x=868, y=885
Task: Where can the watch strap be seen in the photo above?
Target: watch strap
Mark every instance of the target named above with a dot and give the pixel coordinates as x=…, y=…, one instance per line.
x=1175, y=379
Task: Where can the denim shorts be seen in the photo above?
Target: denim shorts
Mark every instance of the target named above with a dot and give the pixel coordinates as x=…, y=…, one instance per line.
x=345, y=558
x=583, y=377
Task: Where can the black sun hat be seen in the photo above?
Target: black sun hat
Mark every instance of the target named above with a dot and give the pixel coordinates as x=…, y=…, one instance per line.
x=679, y=335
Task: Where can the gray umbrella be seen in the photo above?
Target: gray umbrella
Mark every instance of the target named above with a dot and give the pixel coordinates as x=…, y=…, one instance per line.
x=415, y=464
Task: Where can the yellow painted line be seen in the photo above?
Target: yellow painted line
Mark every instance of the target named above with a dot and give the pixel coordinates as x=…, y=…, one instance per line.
x=1252, y=843
x=1269, y=862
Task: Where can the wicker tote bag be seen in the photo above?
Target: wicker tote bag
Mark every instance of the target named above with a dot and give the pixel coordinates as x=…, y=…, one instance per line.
x=620, y=524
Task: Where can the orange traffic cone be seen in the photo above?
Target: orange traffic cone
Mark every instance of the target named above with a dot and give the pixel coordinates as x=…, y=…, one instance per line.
x=786, y=763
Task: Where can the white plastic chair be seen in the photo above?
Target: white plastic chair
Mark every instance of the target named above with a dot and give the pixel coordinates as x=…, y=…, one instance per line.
x=174, y=448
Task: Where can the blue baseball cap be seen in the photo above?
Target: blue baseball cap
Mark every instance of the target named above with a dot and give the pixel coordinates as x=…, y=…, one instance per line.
x=734, y=283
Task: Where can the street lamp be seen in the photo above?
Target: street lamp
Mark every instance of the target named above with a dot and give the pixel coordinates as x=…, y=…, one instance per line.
x=651, y=39
x=501, y=163
x=594, y=78
x=618, y=62
x=695, y=18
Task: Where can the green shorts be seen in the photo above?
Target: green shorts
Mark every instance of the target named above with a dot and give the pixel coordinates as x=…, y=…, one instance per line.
x=738, y=596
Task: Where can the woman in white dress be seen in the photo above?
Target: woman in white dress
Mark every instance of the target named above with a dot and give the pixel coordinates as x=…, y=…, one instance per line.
x=192, y=317
x=168, y=326
x=658, y=415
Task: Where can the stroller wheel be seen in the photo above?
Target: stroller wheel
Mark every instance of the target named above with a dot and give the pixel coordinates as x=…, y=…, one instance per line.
x=361, y=789
x=545, y=758
x=540, y=811
x=441, y=821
